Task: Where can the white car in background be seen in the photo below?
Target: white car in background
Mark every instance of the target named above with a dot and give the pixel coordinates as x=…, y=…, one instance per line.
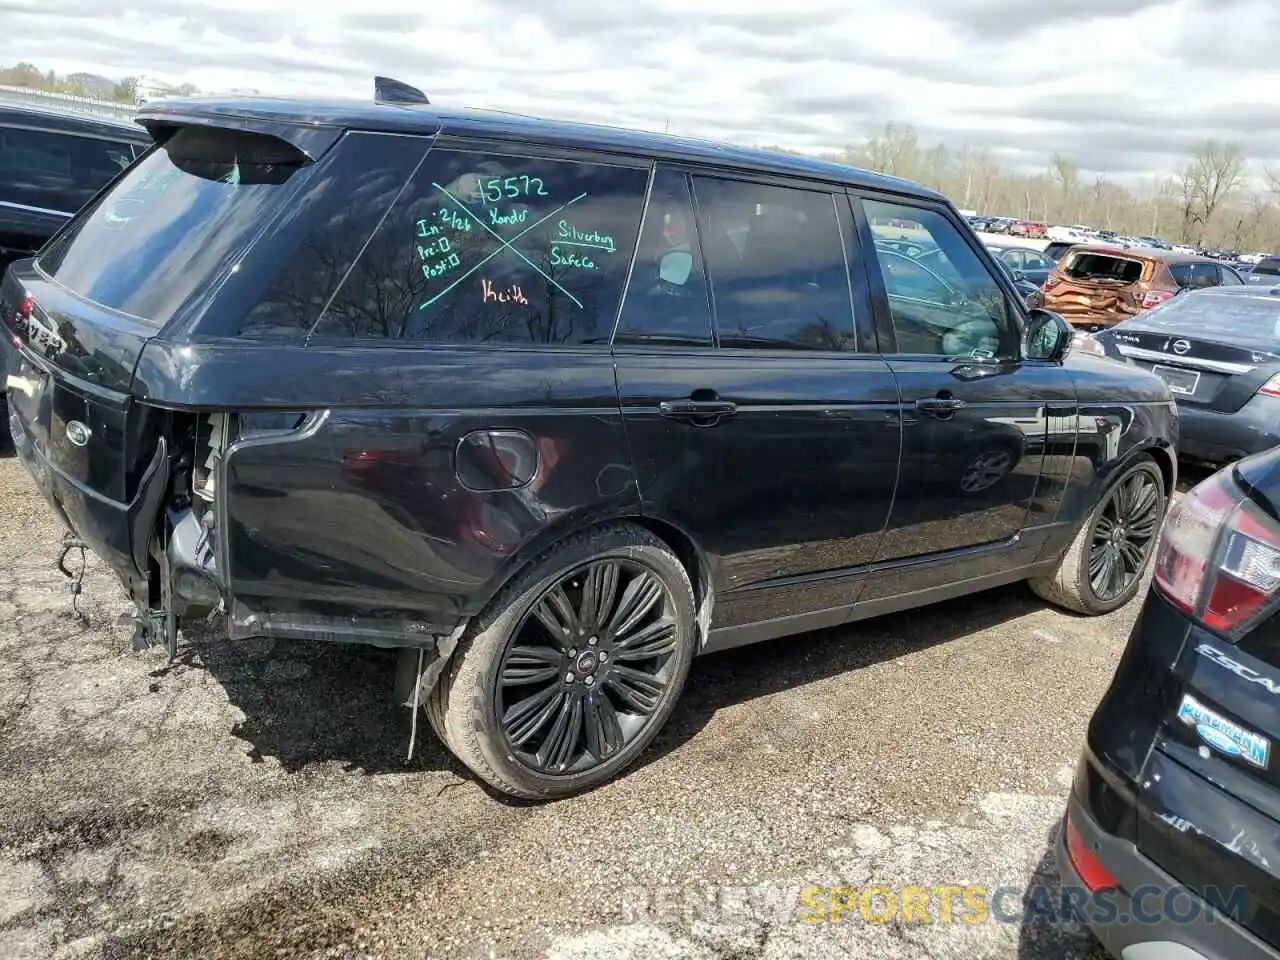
x=1076, y=234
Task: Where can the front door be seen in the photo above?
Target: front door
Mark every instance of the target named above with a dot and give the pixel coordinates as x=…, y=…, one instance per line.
x=975, y=415
x=770, y=436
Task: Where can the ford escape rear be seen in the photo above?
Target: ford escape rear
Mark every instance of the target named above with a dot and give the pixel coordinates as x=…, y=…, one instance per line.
x=1174, y=817
x=551, y=408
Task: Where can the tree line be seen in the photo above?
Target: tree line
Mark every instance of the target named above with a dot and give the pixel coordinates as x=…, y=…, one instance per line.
x=88, y=85
x=1210, y=201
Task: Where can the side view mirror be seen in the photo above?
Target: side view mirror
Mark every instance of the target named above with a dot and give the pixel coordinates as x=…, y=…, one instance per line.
x=1018, y=276
x=1047, y=336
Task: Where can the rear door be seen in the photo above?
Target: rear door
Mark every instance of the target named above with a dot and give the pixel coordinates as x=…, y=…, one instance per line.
x=770, y=436
x=975, y=414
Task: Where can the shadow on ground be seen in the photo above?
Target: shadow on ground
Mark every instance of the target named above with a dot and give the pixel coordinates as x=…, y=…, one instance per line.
x=1047, y=937
x=313, y=702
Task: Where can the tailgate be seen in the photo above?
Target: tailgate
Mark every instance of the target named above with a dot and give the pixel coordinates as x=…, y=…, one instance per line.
x=72, y=421
x=1106, y=302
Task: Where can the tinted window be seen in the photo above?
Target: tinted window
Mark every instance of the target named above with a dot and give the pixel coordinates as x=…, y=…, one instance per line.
x=1268, y=265
x=944, y=302
x=317, y=241
x=777, y=266
x=1181, y=273
x=176, y=222
x=488, y=248
x=57, y=171
x=667, y=297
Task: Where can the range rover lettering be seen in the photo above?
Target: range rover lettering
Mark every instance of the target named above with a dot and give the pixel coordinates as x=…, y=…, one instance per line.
x=552, y=408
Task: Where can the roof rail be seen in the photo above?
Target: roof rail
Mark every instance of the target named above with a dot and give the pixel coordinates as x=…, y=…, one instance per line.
x=387, y=90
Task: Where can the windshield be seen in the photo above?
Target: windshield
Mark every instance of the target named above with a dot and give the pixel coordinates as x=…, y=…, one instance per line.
x=172, y=225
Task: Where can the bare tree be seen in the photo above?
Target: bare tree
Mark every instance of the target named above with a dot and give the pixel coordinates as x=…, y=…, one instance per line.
x=1067, y=176
x=1213, y=173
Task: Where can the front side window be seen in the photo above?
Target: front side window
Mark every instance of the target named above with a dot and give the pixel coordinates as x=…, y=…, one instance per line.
x=944, y=301
x=1230, y=278
x=58, y=172
x=777, y=266
x=489, y=248
x=667, y=299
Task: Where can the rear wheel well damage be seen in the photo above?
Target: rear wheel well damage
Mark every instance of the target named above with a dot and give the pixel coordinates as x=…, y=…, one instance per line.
x=427, y=671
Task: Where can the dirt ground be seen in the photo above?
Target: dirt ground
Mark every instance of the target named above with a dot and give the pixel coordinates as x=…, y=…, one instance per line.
x=253, y=799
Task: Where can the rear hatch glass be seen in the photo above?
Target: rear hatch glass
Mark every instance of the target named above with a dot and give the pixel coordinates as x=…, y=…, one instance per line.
x=1095, y=267
x=175, y=223
x=1267, y=266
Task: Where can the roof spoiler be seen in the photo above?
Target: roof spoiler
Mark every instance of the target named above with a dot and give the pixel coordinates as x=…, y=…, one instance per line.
x=387, y=90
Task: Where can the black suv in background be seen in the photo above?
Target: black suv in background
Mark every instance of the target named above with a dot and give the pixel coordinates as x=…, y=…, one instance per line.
x=1174, y=818
x=51, y=164
x=552, y=408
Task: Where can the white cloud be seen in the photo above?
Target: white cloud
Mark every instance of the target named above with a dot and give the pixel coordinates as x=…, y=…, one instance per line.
x=1123, y=89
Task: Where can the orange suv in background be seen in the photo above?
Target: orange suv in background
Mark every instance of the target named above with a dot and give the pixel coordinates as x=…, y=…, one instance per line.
x=1095, y=286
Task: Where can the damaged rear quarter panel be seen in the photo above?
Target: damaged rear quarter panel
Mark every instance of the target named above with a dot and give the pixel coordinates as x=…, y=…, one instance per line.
x=360, y=513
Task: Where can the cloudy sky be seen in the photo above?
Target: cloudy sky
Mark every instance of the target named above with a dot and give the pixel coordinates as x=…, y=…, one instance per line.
x=1121, y=86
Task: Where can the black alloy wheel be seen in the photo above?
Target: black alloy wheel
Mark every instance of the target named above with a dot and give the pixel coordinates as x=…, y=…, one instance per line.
x=1124, y=533
x=573, y=668
x=587, y=666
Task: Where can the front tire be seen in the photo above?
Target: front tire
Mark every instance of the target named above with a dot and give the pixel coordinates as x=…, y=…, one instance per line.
x=1104, y=566
x=572, y=670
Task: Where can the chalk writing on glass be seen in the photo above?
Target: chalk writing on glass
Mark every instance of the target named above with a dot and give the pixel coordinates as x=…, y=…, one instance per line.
x=497, y=189
x=571, y=258
x=504, y=246
x=511, y=294
x=497, y=218
x=572, y=236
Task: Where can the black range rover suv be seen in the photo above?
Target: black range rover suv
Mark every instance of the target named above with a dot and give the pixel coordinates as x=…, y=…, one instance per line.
x=554, y=407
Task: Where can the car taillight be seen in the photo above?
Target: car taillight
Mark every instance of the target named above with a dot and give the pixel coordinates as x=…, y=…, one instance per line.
x=1271, y=388
x=1093, y=874
x=1219, y=556
x=1050, y=283
x=1150, y=298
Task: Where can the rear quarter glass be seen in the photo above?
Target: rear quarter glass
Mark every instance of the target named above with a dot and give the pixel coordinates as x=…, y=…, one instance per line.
x=176, y=222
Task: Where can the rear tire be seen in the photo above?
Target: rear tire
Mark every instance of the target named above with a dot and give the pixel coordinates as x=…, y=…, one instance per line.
x=1122, y=529
x=545, y=697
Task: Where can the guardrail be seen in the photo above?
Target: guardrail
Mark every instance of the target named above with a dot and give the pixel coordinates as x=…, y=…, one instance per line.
x=68, y=102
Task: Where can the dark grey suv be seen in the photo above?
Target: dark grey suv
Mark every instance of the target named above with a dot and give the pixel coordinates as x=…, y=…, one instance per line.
x=552, y=408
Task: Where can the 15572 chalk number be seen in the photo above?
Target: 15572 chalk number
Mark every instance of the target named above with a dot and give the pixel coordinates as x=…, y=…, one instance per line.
x=497, y=189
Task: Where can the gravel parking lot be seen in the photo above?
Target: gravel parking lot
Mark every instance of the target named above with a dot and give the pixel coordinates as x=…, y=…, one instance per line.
x=253, y=800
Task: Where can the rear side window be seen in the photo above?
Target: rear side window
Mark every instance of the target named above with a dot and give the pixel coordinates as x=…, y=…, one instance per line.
x=777, y=266
x=1099, y=266
x=489, y=248
x=57, y=172
x=176, y=222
